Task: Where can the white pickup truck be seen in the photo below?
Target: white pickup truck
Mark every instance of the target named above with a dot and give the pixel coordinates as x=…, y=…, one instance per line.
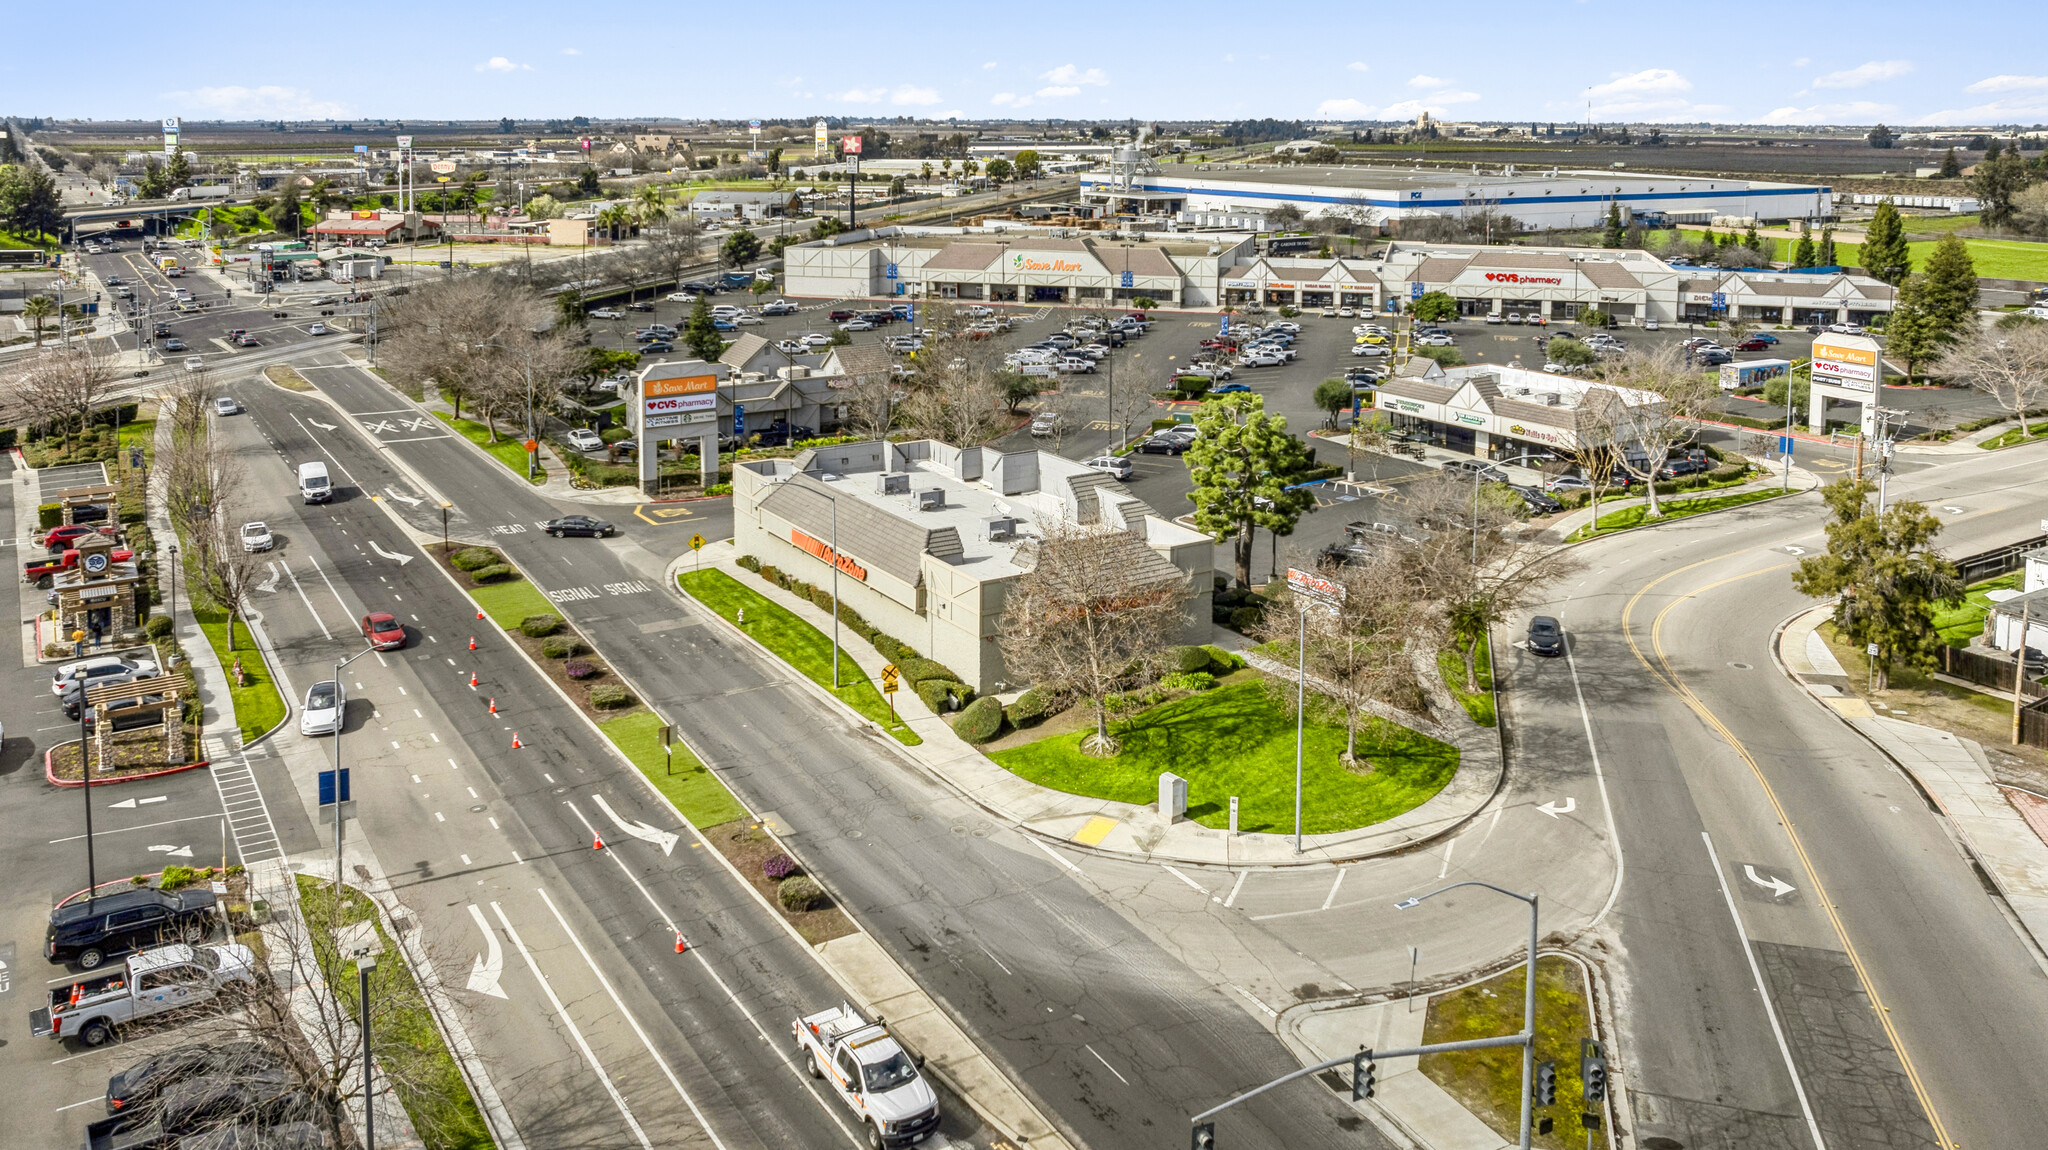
x=872, y=1073
x=153, y=982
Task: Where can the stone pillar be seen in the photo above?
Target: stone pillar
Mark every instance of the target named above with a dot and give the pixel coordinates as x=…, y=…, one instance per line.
x=707, y=455
x=174, y=728
x=1816, y=411
x=102, y=739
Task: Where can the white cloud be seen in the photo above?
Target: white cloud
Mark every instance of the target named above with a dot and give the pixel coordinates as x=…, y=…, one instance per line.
x=1009, y=100
x=1067, y=75
x=1802, y=62
x=1862, y=74
x=1653, y=93
x=1427, y=82
x=501, y=64
x=2009, y=84
x=1855, y=112
x=572, y=51
x=1056, y=93
x=1358, y=66
x=955, y=114
x=860, y=95
x=1436, y=104
x=1344, y=110
x=1638, y=83
x=987, y=66
x=907, y=96
x=2027, y=107
x=268, y=102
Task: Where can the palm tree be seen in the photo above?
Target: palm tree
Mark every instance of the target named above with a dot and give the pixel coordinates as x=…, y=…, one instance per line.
x=38, y=308
x=927, y=171
x=969, y=167
x=651, y=209
x=613, y=219
x=946, y=166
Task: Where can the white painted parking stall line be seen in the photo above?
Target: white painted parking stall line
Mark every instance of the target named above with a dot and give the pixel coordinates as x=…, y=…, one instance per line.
x=1184, y=878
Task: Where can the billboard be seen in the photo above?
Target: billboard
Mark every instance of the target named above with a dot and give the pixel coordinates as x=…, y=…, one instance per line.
x=405, y=141
x=441, y=167
x=821, y=142
x=850, y=145
x=1850, y=362
x=678, y=400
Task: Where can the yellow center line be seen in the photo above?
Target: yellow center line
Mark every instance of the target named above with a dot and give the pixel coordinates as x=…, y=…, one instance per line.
x=1669, y=678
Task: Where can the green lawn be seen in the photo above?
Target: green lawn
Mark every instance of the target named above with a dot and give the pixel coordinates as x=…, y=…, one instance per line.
x=795, y=642
x=2012, y=437
x=1960, y=623
x=509, y=602
x=258, y=706
x=1489, y=1082
x=406, y=1042
x=1997, y=259
x=1478, y=704
x=694, y=790
x=1237, y=740
x=509, y=451
x=1639, y=514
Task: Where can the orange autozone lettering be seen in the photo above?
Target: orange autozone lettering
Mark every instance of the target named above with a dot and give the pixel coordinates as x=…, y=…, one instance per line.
x=824, y=551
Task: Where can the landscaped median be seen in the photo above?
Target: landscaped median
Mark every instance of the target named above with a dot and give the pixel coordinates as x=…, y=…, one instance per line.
x=795, y=642
x=1489, y=1082
x=1638, y=515
x=509, y=451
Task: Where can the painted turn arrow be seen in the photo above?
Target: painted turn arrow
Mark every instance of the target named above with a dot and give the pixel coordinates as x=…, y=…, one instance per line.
x=640, y=830
x=490, y=965
x=403, y=498
x=402, y=559
x=1553, y=810
x=1778, y=887
x=174, y=852
x=322, y=426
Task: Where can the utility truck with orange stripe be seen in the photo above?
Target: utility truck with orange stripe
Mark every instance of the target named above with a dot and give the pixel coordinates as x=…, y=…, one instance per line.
x=872, y=1073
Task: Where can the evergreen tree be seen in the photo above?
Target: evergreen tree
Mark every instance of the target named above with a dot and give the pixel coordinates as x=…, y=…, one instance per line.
x=284, y=214
x=1990, y=151
x=1880, y=137
x=1243, y=464
x=1751, y=240
x=1611, y=238
x=1911, y=335
x=1885, y=574
x=1998, y=182
x=1951, y=168
x=179, y=171
x=1884, y=246
x=1948, y=288
x=703, y=339
x=1825, y=258
x=1728, y=241
x=1802, y=253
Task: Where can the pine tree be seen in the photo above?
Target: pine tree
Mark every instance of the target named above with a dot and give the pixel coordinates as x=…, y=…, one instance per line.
x=1990, y=151
x=1948, y=288
x=1884, y=246
x=1612, y=237
x=1911, y=335
x=1998, y=182
x=1802, y=253
x=1951, y=168
x=1751, y=240
x=1729, y=241
x=1825, y=258
x=703, y=339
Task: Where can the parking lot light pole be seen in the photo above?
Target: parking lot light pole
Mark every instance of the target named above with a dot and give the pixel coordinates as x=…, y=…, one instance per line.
x=364, y=966
x=341, y=724
x=1528, y=1034
x=92, y=884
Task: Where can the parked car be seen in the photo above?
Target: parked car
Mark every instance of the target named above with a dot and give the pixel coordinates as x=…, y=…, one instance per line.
x=582, y=439
x=839, y=315
x=1045, y=423
x=324, y=710
x=1685, y=465
x=1115, y=466
x=1372, y=350
x=1493, y=318
x=606, y=313
x=1751, y=344
x=1485, y=471
x=1434, y=341
x=91, y=932
x=640, y=306
x=681, y=297
x=1546, y=637
x=383, y=630
x=1229, y=388
x=132, y=1088
x=60, y=537
x=657, y=347
x=1712, y=358
x=104, y=670
x=1537, y=502
x=257, y=537
x=579, y=525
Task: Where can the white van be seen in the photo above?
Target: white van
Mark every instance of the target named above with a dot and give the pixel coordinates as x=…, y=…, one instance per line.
x=313, y=484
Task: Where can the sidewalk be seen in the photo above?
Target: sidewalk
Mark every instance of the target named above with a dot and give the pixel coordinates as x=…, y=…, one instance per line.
x=1561, y=528
x=1113, y=827
x=1407, y=1106
x=2006, y=842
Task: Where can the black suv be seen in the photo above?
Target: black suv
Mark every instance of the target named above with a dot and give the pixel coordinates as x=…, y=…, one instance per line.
x=92, y=931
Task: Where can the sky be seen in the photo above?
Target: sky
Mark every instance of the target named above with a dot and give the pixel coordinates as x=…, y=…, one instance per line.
x=1736, y=61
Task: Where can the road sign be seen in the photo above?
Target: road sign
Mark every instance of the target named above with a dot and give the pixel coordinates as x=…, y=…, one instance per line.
x=1785, y=443
x=889, y=674
x=1314, y=590
x=362, y=148
x=532, y=445
x=327, y=787
x=739, y=419
x=696, y=542
x=1414, y=291
x=754, y=124
x=1870, y=649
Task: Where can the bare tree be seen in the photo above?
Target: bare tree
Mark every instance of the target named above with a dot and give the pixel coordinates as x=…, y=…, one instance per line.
x=2008, y=364
x=958, y=395
x=869, y=408
x=1096, y=614
x=480, y=338
x=1651, y=408
x=63, y=387
x=1130, y=405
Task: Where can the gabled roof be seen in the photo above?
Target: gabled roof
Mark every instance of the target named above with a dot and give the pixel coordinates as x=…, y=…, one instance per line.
x=964, y=257
x=862, y=359
x=742, y=351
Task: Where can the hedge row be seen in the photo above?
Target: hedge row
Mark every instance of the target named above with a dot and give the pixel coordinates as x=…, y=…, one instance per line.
x=912, y=667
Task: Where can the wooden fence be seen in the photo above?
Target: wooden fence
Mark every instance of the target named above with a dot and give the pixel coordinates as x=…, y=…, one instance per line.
x=1986, y=671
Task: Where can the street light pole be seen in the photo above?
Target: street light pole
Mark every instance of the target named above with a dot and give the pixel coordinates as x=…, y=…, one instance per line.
x=835, y=592
x=1300, y=705
x=92, y=883
x=364, y=966
x=1528, y=1035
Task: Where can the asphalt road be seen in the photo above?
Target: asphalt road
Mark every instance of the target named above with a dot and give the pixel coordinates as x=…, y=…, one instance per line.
x=1117, y=1039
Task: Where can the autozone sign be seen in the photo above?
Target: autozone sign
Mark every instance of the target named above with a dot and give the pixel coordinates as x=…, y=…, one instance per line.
x=1519, y=278
x=824, y=551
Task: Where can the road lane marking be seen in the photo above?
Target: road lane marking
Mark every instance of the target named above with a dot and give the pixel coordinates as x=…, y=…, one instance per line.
x=317, y=620
x=1235, y=887
x=1446, y=868
x=1053, y=854
x=1191, y=882
x=1600, y=778
x=489, y=966
x=999, y=962
x=575, y=1032
x=1106, y=1065
x=1332, y=896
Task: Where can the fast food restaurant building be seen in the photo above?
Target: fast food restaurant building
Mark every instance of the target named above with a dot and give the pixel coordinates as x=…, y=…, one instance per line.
x=1506, y=413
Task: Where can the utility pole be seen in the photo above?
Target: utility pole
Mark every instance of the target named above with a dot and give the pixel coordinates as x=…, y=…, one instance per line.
x=2019, y=673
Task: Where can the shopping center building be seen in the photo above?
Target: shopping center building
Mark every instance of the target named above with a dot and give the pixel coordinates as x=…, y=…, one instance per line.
x=1507, y=413
x=927, y=539
x=1013, y=265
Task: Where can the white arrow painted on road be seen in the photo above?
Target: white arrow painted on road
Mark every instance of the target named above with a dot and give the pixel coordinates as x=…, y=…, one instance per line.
x=174, y=852
x=403, y=498
x=270, y=585
x=402, y=559
x=1796, y=550
x=322, y=426
x=131, y=804
x=640, y=830
x=490, y=965
x=1778, y=887
x=1952, y=510
x=1553, y=810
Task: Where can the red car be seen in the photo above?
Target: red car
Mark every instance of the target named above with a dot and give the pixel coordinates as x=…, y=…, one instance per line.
x=384, y=631
x=842, y=316
x=63, y=535
x=1751, y=344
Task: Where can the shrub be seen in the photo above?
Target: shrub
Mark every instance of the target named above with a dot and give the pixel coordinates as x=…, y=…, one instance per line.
x=770, y=572
x=1188, y=681
x=933, y=693
x=471, y=558
x=1222, y=659
x=49, y=515
x=821, y=598
x=1190, y=659
x=917, y=670
x=778, y=866
x=561, y=647
x=1028, y=711
x=979, y=721
x=1245, y=618
x=719, y=489
x=493, y=573
x=540, y=626
x=580, y=669
x=891, y=650
x=610, y=696
x=157, y=627
x=799, y=893
x=750, y=563
x=175, y=877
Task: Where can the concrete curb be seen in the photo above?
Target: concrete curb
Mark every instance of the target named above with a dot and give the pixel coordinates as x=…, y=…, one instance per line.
x=50, y=771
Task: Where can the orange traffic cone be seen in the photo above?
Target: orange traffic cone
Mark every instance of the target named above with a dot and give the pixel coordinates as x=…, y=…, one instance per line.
x=479, y=613
x=494, y=706
x=472, y=680
x=515, y=740
x=472, y=642
x=596, y=844
x=681, y=945
x=78, y=988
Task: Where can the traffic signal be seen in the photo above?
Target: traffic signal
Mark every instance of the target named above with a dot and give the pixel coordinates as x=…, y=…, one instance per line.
x=1204, y=1136
x=1364, y=1076
x=1593, y=1070
x=1546, y=1083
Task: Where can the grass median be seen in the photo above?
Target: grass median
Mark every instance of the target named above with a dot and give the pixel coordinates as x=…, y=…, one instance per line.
x=509, y=451
x=1489, y=1082
x=795, y=642
x=509, y=601
x=688, y=783
x=258, y=703
x=2012, y=436
x=1639, y=514
x=1450, y=662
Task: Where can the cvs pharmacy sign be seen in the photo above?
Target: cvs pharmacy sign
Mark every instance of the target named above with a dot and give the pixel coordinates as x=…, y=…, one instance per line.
x=1519, y=278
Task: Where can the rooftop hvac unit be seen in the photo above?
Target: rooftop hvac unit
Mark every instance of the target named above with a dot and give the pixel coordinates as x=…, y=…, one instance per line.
x=793, y=371
x=931, y=500
x=892, y=483
x=1000, y=527
x=1549, y=398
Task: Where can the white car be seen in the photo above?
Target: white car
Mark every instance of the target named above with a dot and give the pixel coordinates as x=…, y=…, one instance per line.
x=1374, y=350
x=1492, y=317
x=257, y=537
x=1650, y=325
x=790, y=346
x=1261, y=359
x=856, y=325
x=1345, y=313
x=682, y=297
x=815, y=340
x=326, y=704
x=1434, y=341
x=745, y=318
x=606, y=313
x=102, y=670
x=1075, y=363
x=779, y=307
x=1329, y=313
x=1111, y=465
x=1513, y=317
x=582, y=439
x=316, y=329
x=227, y=405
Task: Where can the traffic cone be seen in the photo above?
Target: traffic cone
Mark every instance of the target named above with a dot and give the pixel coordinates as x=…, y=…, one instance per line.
x=494, y=706
x=596, y=844
x=472, y=680
x=78, y=988
x=681, y=945
x=515, y=740
x=472, y=642
x=479, y=613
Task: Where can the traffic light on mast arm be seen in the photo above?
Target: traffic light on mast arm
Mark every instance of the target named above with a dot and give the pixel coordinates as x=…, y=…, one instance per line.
x=1204, y=1137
